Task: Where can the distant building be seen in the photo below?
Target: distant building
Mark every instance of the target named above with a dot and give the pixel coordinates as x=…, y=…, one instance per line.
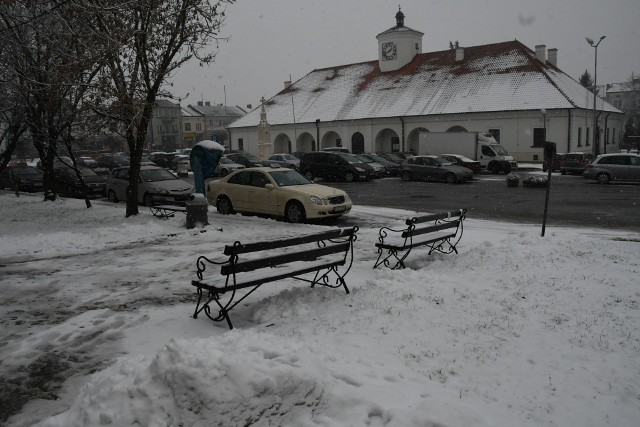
x=624, y=96
x=165, y=128
x=193, y=127
x=506, y=89
x=216, y=119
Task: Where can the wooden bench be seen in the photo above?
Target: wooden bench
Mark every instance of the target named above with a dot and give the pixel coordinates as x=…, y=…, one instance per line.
x=440, y=232
x=327, y=255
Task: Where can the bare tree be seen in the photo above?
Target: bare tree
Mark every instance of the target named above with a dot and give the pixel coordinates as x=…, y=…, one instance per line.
x=51, y=60
x=149, y=41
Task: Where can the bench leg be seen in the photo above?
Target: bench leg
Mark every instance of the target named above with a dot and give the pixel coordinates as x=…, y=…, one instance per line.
x=222, y=314
x=399, y=263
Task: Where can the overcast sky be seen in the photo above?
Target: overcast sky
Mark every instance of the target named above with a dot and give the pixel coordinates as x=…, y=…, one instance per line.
x=270, y=40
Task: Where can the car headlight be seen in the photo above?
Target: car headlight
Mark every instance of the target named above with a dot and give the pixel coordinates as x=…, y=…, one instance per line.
x=161, y=190
x=316, y=200
x=346, y=197
x=359, y=169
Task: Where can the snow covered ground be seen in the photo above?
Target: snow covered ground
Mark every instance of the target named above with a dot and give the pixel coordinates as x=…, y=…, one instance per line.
x=516, y=330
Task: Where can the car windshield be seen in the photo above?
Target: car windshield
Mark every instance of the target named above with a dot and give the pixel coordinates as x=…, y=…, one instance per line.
x=394, y=158
x=350, y=158
x=364, y=159
x=289, y=157
x=285, y=178
x=26, y=171
x=378, y=159
x=500, y=150
x=153, y=175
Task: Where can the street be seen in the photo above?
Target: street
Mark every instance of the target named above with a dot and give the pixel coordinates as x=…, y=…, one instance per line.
x=573, y=200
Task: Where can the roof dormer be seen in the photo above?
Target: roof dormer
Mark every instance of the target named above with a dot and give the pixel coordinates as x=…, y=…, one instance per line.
x=398, y=45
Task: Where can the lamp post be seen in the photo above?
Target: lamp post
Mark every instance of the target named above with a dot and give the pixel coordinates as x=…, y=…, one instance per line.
x=595, y=91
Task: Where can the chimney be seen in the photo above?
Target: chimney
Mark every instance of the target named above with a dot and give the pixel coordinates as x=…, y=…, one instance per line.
x=540, y=53
x=248, y=106
x=459, y=54
x=199, y=103
x=553, y=57
x=207, y=103
x=287, y=84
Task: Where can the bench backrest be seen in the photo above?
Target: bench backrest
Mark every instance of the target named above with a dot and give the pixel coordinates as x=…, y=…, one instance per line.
x=443, y=221
x=326, y=243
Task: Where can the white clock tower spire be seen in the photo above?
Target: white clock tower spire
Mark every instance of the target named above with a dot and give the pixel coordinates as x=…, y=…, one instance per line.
x=398, y=45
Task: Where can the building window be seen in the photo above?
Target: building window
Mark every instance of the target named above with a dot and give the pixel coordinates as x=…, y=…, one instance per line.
x=606, y=136
x=586, y=142
x=187, y=127
x=496, y=134
x=240, y=144
x=579, y=137
x=538, y=137
x=198, y=127
x=161, y=129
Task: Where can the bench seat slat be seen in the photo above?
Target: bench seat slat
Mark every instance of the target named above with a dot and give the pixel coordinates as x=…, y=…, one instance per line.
x=307, y=255
x=276, y=244
x=266, y=279
x=399, y=247
x=174, y=208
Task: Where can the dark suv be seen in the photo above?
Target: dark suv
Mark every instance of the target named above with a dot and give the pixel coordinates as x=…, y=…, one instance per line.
x=576, y=163
x=333, y=165
x=245, y=159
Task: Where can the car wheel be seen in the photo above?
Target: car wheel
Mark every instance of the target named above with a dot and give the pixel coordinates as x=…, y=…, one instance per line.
x=308, y=175
x=494, y=168
x=111, y=195
x=294, y=212
x=405, y=175
x=349, y=177
x=224, y=205
x=507, y=169
x=224, y=172
x=147, y=200
x=450, y=178
x=603, y=178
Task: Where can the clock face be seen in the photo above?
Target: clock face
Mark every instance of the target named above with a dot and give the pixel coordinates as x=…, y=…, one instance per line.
x=389, y=51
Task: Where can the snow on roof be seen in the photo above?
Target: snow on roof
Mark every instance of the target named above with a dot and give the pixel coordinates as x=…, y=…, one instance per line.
x=497, y=77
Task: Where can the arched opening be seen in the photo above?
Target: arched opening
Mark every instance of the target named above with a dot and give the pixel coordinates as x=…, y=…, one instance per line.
x=331, y=139
x=457, y=129
x=387, y=141
x=305, y=143
x=413, y=138
x=281, y=144
x=357, y=143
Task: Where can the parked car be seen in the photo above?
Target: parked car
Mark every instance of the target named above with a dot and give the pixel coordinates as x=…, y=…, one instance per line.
x=173, y=163
x=246, y=159
x=68, y=184
x=279, y=192
x=463, y=161
x=88, y=162
x=379, y=171
x=107, y=162
x=183, y=167
x=334, y=165
x=226, y=166
x=392, y=168
x=392, y=157
x=22, y=178
x=614, y=167
x=298, y=154
x=154, y=181
x=162, y=159
x=556, y=164
x=285, y=160
x=575, y=163
x=433, y=168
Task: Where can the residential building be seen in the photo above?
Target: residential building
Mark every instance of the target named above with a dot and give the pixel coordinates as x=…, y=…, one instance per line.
x=517, y=94
x=165, y=128
x=216, y=118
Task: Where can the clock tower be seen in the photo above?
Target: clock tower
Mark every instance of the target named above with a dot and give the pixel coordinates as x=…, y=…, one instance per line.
x=398, y=45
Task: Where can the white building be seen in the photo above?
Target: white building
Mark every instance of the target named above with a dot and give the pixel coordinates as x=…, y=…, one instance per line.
x=506, y=89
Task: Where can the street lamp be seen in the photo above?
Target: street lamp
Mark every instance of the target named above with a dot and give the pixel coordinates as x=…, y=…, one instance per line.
x=595, y=91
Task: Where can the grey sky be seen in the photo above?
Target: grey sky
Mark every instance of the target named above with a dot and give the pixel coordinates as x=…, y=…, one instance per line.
x=271, y=40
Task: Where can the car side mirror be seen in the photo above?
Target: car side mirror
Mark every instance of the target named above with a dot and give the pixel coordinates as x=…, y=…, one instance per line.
x=269, y=186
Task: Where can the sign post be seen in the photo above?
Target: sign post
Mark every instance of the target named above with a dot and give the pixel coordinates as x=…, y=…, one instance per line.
x=549, y=156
